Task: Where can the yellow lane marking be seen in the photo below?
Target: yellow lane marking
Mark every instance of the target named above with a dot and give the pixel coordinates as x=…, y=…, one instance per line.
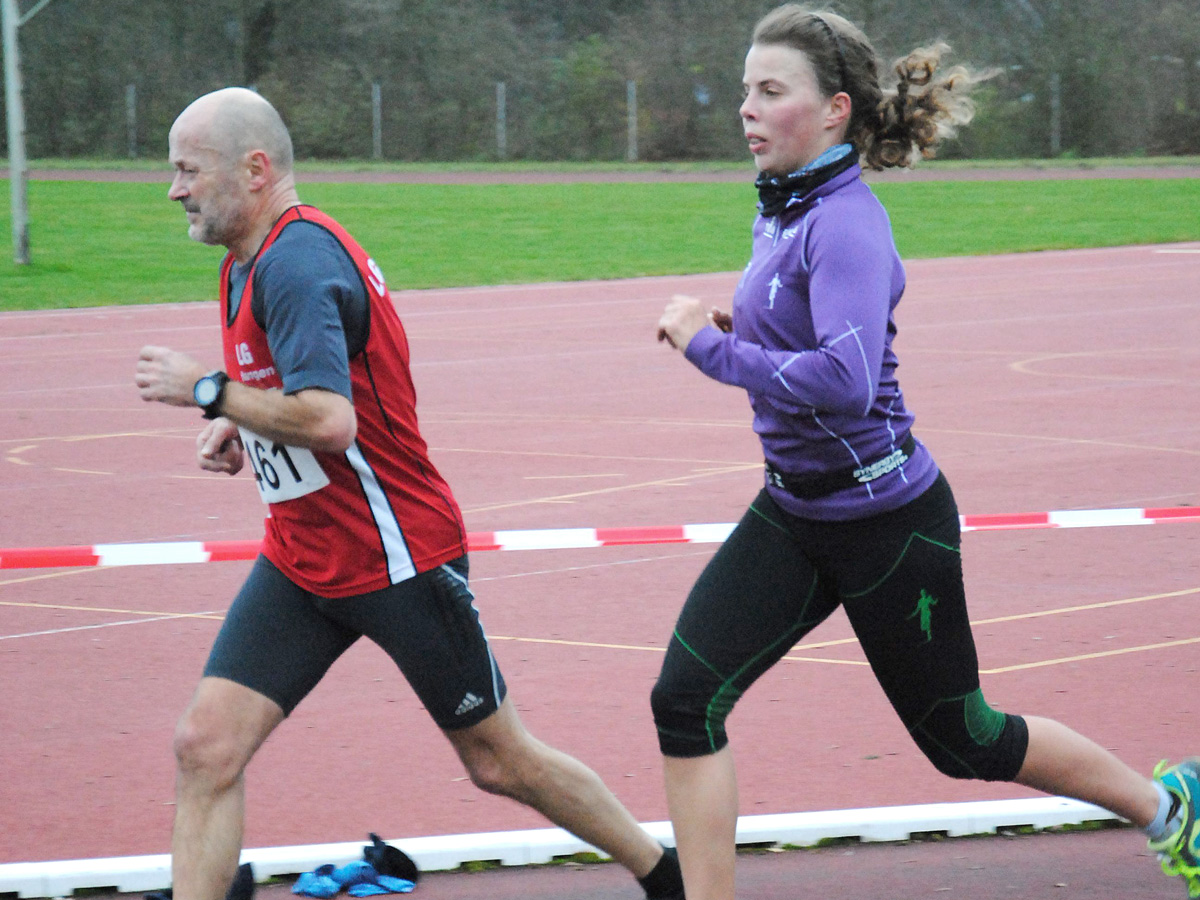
x=573, y=477
x=817, y=645
x=598, y=645
x=601, y=646
x=43, y=576
x=1087, y=606
x=1054, y=439
x=13, y=454
x=565, y=643
x=69, y=438
x=675, y=481
x=608, y=457
x=789, y=658
x=1085, y=656
x=105, y=609
x=832, y=662
x=465, y=417
x=1028, y=365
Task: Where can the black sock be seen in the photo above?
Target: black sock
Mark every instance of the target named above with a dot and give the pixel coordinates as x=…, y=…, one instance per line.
x=665, y=879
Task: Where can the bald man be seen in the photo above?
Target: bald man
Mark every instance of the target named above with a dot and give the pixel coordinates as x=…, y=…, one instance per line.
x=363, y=536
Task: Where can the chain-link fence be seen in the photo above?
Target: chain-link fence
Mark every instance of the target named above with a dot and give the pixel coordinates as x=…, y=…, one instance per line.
x=606, y=80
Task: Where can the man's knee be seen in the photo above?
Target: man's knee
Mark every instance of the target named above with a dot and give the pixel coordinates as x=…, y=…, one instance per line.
x=492, y=776
x=966, y=738
x=500, y=756
x=220, y=731
x=205, y=748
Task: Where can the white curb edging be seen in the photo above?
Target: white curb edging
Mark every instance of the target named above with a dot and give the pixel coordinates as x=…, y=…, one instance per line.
x=133, y=874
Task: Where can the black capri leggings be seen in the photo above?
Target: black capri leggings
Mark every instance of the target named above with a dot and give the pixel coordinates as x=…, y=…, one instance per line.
x=899, y=577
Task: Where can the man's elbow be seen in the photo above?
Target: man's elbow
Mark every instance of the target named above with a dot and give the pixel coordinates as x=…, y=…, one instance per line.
x=332, y=425
x=337, y=433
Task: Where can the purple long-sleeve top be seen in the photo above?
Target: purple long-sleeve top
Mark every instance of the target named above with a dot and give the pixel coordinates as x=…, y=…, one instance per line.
x=812, y=346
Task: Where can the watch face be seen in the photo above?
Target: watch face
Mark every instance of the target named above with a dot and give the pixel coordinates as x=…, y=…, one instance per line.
x=206, y=390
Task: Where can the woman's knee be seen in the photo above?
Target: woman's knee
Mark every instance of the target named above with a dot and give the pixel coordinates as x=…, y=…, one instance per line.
x=690, y=720
x=965, y=738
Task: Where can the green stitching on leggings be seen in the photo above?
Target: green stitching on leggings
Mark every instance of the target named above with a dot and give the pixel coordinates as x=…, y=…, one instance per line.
x=899, y=559
x=762, y=515
x=984, y=724
x=726, y=695
x=962, y=762
x=688, y=647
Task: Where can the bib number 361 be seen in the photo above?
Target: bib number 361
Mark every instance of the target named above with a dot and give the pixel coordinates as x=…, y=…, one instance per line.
x=282, y=472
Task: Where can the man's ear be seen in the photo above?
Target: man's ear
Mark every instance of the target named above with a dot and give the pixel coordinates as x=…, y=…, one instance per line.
x=258, y=166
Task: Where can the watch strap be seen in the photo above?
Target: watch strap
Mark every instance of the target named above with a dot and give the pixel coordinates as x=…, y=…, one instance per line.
x=213, y=409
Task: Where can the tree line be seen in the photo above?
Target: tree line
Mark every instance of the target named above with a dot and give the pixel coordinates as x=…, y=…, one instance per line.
x=1077, y=77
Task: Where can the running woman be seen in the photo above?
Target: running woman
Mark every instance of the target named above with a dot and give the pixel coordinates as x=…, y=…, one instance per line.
x=854, y=511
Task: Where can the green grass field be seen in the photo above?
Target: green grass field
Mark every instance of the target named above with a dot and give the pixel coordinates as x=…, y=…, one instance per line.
x=105, y=243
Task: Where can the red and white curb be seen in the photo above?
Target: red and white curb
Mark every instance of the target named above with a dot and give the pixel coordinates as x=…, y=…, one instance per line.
x=175, y=553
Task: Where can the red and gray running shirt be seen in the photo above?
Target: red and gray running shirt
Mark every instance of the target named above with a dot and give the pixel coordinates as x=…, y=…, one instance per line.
x=339, y=524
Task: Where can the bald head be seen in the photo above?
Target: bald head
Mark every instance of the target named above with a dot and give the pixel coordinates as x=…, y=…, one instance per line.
x=234, y=121
x=232, y=158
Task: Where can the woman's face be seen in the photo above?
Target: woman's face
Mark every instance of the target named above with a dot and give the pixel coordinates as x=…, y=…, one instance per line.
x=786, y=120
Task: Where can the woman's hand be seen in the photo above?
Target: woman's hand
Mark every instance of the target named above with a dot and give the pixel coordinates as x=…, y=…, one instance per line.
x=685, y=317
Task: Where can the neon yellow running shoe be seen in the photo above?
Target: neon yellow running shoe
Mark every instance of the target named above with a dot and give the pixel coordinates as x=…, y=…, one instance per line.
x=1179, y=852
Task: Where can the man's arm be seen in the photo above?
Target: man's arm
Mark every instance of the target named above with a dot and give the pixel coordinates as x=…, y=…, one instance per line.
x=312, y=418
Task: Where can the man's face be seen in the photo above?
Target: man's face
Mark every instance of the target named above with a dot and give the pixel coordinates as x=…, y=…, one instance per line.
x=206, y=185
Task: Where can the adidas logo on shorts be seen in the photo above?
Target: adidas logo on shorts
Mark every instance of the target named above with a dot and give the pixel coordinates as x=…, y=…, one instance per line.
x=469, y=702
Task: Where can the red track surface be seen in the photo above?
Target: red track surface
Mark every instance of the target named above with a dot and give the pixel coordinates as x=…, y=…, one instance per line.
x=1044, y=381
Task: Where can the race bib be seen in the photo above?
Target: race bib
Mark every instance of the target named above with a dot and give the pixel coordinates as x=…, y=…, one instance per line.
x=282, y=472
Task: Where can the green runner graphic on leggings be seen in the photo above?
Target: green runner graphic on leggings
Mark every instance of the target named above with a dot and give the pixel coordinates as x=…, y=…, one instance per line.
x=925, y=604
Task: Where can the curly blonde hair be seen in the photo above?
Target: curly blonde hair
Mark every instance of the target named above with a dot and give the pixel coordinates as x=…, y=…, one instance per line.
x=893, y=125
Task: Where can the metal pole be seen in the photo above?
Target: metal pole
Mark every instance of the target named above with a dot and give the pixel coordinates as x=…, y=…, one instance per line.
x=17, y=167
x=631, y=152
x=501, y=121
x=1055, y=114
x=131, y=119
x=376, y=121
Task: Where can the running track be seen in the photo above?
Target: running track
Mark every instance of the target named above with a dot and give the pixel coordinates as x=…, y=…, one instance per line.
x=1044, y=381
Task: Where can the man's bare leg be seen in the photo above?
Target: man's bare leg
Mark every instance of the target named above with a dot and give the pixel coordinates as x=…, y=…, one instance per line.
x=503, y=758
x=216, y=737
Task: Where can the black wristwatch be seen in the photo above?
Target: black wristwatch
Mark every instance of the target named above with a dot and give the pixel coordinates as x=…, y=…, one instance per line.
x=209, y=391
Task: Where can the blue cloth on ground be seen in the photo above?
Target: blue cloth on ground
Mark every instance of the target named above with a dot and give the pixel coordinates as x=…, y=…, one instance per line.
x=317, y=883
x=358, y=878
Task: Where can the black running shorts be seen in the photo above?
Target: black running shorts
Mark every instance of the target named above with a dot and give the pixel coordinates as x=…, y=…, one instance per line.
x=280, y=640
